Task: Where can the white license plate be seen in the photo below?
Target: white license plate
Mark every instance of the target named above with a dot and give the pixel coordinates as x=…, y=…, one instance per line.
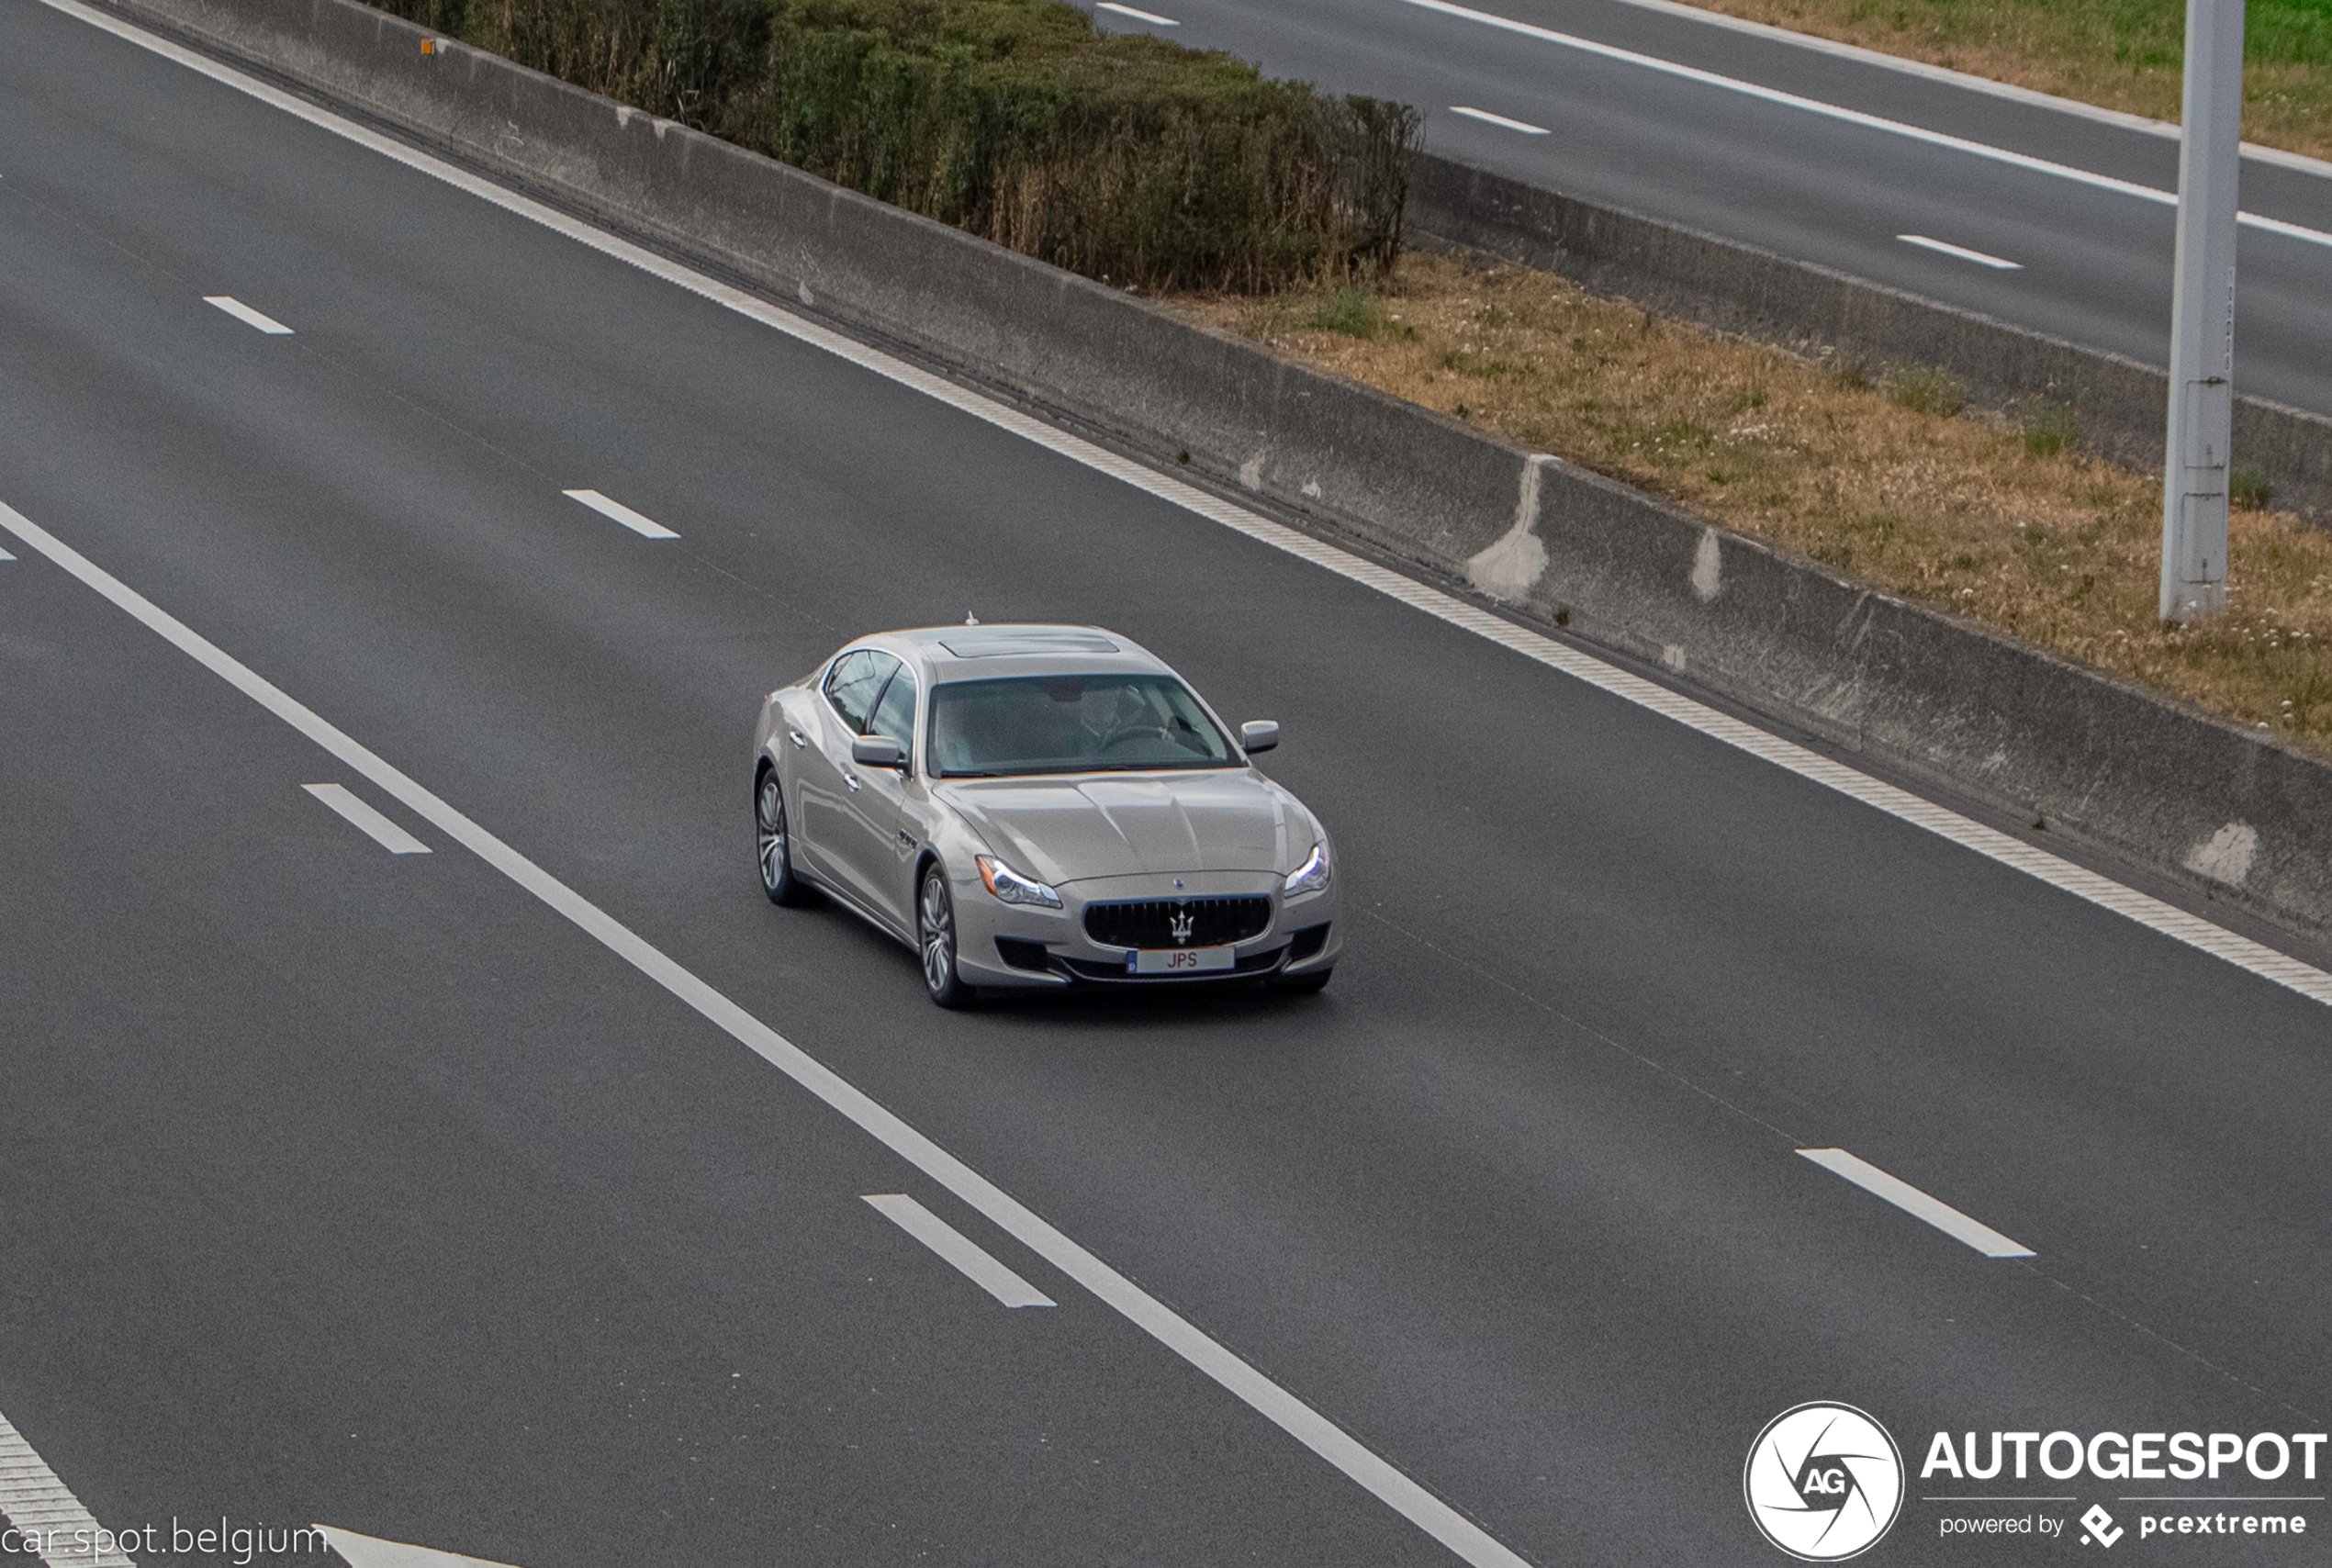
x=1178, y=961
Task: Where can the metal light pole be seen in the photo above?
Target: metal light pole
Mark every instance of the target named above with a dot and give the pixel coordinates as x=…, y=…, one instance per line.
x=2203, y=315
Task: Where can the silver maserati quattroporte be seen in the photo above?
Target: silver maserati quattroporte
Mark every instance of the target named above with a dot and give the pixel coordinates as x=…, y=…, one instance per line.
x=1040, y=806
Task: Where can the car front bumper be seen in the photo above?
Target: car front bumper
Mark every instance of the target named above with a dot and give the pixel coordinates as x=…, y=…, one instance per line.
x=1015, y=946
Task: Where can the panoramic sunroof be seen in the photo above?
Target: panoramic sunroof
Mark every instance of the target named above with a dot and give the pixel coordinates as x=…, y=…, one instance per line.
x=1003, y=641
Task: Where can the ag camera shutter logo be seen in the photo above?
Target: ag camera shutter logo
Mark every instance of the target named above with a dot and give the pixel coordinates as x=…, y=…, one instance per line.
x=1824, y=1481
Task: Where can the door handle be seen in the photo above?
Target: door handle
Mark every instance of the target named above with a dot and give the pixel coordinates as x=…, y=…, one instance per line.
x=795, y=736
x=851, y=780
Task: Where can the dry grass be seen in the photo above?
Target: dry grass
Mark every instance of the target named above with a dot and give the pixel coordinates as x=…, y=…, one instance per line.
x=1887, y=483
x=2123, y=54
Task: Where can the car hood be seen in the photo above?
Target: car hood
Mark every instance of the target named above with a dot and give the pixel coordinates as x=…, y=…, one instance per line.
x=1063, y=830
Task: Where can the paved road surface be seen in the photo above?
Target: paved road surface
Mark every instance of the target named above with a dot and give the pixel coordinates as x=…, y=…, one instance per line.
x=2093, y=265
x=361, y=1187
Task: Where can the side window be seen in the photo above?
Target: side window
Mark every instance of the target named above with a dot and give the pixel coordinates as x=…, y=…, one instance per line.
x=894, y=715
x=853, y=683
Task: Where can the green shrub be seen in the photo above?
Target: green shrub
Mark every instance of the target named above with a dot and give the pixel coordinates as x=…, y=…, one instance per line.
x=1851, y=375
x=1349, y=311
x=2049, y=426
x=1928, y=390
x=1122, y=156
x=2247, y=488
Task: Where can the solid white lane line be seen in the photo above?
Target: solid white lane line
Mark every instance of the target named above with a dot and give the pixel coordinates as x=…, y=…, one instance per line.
x=247, y=315
x=1275, y=1404
x=1962, y=251
x=2153, y=914
x=647, y=527
x=55, y=1527
x=1849, y=117
x=1911, y=1201
x=966, y=1255
x=1487, y=117
x=1138, y=15
x=389, y=836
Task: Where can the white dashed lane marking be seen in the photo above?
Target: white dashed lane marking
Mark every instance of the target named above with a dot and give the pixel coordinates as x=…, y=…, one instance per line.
x=1943, y=247
x=247, y=315
x=647, y=527
x=1150, y=17
x=1911, y=1201
x=1487, y=117
x=960, y=1251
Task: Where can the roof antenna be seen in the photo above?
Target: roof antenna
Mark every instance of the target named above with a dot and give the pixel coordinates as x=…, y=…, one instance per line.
x=969, y=619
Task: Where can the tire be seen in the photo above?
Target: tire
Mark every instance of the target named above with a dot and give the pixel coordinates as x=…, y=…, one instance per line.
x=936, y=940
x=1302, y=985
x=773, y=843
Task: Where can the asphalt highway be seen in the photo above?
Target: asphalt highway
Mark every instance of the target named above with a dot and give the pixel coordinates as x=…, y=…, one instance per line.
x=2092, y=265
x=357, y=1187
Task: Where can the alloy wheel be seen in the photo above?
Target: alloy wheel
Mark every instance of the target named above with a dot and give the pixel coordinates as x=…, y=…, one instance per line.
x=771, y=845
x=938, y=923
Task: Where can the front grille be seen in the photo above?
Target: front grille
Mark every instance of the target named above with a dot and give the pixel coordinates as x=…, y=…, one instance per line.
x=1150, y=923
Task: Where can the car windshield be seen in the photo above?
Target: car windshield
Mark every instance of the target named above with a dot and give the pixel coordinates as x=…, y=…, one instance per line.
x=1072, y=724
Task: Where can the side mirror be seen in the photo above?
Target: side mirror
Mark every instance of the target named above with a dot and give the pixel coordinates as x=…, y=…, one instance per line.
x=877, y=751
x=1258, y=735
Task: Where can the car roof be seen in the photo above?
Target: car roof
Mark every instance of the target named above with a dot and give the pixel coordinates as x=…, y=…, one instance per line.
x=974, y=652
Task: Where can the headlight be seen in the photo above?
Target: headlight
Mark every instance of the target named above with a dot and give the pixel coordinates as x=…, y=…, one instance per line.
x=1012, y=887
x=1313, y=875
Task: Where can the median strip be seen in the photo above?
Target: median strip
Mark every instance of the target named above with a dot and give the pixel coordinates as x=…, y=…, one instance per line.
x=1884, y=476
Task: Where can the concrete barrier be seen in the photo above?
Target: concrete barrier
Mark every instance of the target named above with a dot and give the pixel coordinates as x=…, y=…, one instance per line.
x=2199, y=800
x=2120, y=404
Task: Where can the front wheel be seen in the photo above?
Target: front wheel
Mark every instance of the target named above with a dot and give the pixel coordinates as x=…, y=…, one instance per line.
x=772, y=844
x=936, y=940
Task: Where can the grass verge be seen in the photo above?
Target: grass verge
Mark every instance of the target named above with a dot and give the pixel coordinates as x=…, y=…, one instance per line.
x=1124, y=157
x=2000, y=521
x=2121, y=54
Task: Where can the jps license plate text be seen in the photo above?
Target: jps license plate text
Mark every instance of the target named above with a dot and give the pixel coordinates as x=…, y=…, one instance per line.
x=1177, y=960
